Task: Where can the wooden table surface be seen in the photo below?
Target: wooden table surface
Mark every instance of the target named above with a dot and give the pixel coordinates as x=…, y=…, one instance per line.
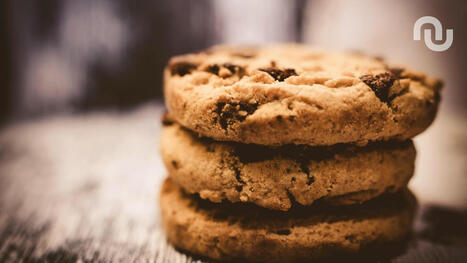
x=84, y=188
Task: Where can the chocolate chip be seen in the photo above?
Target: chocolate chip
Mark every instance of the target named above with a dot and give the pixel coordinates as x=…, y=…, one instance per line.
x=233, y=68
x=228, y=113
x=380, y=84
x=214, y=69
x=279, y=74
x=181, y=68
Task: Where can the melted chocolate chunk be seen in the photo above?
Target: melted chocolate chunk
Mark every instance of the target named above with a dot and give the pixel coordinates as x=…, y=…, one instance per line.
x=229, y=113
x=380, y=84
x=279, y=74
x=181, y=68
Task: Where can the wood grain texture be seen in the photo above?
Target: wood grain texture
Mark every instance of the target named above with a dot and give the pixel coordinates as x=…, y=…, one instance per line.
x=85, y=189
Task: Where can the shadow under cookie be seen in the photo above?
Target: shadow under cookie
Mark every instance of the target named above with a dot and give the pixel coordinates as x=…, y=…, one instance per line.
x=275, y=177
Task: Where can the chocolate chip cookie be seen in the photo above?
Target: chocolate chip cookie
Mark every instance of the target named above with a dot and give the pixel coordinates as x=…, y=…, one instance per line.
x=245, y=232
x=293, y=94
x=274, y=177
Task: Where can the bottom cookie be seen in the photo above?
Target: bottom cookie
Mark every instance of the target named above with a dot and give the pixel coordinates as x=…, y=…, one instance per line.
x=229, y=231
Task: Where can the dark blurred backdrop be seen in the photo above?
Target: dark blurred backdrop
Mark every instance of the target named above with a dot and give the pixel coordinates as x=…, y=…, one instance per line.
x=72, y=56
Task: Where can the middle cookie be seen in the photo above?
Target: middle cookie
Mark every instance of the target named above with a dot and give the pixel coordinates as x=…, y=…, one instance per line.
x=275, y=177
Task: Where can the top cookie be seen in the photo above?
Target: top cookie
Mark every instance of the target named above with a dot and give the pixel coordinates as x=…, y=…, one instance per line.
x=285, y=94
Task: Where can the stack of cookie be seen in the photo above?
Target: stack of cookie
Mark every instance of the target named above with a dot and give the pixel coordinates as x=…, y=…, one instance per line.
x=285, y=153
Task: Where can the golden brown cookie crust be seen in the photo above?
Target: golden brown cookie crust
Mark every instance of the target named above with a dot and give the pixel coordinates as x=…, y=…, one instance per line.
x=274, y=177
x=242, y=232
x=292, y=94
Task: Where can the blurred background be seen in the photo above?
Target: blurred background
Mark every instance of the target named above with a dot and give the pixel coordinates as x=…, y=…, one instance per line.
x=81, y=99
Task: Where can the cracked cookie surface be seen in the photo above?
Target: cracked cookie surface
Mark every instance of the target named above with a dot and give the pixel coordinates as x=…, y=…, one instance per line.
x=275, y=177
x=293, y=94
x=246, y=232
